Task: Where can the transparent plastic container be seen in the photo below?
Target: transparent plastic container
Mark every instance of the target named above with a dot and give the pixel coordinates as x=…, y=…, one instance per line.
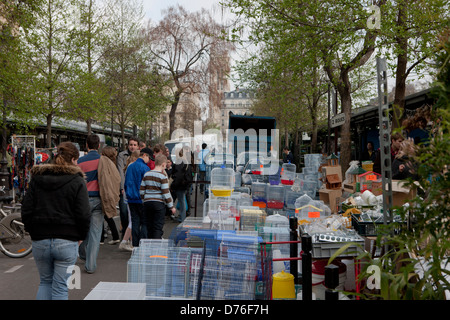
x=308, y=213
x=222, y=181
x=259, y=194
x=274, y=179
x=302, y=201
x=223, y=212
x=290, y=197
x=275, y=196
x=313, y=160
x=237, y=180
x=277, y=220
x=288, y=173
x=309, y=170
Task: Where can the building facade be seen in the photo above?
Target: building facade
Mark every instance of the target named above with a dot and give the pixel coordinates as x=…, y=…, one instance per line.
x=238, y=102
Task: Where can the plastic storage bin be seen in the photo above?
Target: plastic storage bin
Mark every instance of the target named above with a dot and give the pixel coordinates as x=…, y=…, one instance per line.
x=277, y=220
x=288, y=173
x=290, y=197
x=237, y=180
x=259, y=194
x=222, y=181
x=313, y=160
x=275, y=196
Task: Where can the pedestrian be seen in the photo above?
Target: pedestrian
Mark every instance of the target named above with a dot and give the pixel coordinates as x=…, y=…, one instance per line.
x=196, y=153
x=133, y=144
x=202, y=165
x=55, y=212
x=182, y=178
x=167, y=152
x=109, y=186
x=370, y=153
x=88, y=250
x=403, y=166
x=126, y=243
x=156, y=196
x=190, y=156
x=396, y=141
x=288, y=156
x=133, y=177
x=158, y=149
x=151, y=162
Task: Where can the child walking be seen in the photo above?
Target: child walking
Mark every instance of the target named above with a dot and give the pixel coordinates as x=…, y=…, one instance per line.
x=156, y=196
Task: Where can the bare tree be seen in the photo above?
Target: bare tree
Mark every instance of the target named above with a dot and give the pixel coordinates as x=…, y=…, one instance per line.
x=182, y=44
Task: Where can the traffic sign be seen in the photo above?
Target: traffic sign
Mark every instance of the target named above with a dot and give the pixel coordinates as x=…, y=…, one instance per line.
x=337, y=120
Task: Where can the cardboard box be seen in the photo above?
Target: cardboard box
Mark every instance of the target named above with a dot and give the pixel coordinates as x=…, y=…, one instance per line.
x=327, y=170
x=330, y=197
x=401, y=193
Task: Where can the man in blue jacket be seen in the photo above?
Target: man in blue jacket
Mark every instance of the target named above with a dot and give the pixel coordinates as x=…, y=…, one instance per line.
x=135, y=173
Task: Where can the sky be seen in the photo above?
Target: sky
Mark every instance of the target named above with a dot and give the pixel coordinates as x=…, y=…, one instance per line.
x=153, y=8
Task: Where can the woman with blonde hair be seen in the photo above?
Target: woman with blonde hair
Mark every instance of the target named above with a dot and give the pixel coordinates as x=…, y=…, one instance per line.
x=403, y=166
x=56, y=213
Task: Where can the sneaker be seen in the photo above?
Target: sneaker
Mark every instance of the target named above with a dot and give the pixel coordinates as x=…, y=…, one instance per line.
x=125, y=246
x=113, y=241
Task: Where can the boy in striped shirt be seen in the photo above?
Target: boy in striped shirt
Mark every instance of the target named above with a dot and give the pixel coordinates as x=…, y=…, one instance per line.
x=156, y=196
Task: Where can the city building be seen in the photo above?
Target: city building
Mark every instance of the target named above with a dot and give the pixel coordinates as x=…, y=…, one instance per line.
x=238, y=102
x=188, y=111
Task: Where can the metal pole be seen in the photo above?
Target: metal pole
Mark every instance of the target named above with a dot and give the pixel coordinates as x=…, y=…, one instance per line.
x=331, y=282
x=385, y=140
x=306, y=267
x=293, y=226
x=329, y=124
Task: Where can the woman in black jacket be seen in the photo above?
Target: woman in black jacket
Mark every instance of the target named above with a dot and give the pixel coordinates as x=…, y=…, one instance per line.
x=181, y=179
x=55, y=211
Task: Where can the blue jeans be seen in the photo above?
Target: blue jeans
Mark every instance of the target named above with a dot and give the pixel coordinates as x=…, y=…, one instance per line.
x=90, y=246
x=138, y=223
x=54, y=259
x=155, y=212
x=181, y=196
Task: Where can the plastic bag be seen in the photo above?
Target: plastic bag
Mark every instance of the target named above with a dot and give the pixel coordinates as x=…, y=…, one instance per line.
x=353, y=166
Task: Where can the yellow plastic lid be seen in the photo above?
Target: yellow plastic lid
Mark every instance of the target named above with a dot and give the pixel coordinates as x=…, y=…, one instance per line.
x=283, y=276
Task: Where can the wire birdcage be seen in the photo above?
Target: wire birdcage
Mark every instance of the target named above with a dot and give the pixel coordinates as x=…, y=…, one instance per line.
x=233, y=271
x=164, y=269
x=251, y=219
x=205, y=264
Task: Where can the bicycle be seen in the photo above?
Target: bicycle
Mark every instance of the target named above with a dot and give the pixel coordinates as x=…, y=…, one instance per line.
x=15, y=242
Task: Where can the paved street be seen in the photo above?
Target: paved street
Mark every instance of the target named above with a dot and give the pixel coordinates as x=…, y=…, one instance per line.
x=19, y=278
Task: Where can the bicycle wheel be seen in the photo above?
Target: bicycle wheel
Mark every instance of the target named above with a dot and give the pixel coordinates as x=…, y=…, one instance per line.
x=19, y=244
